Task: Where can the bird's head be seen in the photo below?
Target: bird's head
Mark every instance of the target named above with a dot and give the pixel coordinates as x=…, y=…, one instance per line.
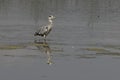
x=51, y=17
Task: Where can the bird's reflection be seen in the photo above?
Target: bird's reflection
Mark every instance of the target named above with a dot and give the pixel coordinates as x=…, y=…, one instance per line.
x=44, y=47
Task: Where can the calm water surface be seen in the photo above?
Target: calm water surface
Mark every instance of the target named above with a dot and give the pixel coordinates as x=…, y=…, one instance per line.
x=83, y=45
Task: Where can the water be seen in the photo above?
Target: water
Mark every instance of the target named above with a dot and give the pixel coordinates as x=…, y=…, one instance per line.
x=84, y=43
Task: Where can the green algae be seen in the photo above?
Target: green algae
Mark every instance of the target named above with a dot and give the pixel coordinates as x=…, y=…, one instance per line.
x=10, y=47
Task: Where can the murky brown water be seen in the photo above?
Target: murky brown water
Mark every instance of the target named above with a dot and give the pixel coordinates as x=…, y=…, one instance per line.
x=83, y=45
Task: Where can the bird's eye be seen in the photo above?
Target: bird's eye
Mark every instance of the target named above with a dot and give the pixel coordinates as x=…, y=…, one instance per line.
x=49, y=16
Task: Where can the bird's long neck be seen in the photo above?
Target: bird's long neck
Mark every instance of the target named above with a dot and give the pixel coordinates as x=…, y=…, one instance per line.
x=50, y=21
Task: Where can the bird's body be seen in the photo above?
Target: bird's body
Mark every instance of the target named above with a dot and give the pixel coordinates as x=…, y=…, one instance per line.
x=45, y=30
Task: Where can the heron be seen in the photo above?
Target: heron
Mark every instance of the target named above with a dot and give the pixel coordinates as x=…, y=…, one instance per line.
x=45, y=30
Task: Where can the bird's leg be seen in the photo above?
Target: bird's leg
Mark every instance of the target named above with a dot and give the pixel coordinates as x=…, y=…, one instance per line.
x=44, y=40
x=44, y=37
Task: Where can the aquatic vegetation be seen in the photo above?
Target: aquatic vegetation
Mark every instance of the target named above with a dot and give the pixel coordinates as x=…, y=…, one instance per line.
x=57, y=50
x=104, y=51
x=40, y=44
x=9, y=47
x=109, y=53
x=96, y=49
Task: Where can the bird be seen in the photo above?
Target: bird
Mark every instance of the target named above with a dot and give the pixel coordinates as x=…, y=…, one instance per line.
x=45, y=30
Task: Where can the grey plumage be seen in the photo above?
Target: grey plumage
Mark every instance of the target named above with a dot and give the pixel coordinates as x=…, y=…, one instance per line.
x=45, y=30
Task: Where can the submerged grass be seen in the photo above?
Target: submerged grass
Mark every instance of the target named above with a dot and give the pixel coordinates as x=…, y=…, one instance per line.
x=86, y=56
x=110, y=53
x=96, y=49
x=10, y=47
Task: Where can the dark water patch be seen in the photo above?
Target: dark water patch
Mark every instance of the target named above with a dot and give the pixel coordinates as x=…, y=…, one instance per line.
x=64, y=55
x=25, y=56
x=85, y=56
x=116, y=57
x=6, y=55
x=109, y=53
x=95, y=49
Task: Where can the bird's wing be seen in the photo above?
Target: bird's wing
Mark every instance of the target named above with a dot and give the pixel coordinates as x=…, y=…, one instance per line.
x=42, y=29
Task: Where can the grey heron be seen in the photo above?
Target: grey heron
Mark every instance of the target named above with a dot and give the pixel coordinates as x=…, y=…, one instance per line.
x=45, y=30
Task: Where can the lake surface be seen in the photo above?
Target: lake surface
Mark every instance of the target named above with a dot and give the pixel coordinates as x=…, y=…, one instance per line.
x=84, y=43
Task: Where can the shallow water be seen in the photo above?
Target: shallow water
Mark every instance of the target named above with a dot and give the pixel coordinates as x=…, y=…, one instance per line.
x=84, y=43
